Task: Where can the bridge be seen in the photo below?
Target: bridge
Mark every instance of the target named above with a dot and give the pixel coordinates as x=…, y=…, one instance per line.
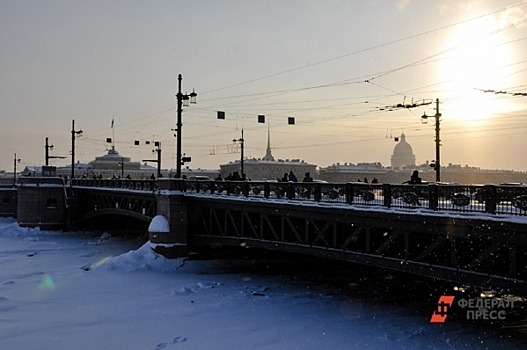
x=470, y=235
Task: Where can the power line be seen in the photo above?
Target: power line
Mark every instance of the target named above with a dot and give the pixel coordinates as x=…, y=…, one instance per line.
x=366, y=49
x=502, y=92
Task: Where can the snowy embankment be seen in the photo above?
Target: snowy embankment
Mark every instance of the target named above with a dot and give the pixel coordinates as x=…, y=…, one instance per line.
x=80, y=291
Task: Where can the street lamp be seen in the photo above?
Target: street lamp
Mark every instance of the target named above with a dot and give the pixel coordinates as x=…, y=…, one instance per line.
x=241, y=141
x=73, y=134
x=437, y=163
x=47, y=156
x=158, y=160
x=16, y=160
x=183, y=100
x=47, y=147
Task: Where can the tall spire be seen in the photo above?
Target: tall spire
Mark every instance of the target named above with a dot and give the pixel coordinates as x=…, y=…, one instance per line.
x=268, y=155
x=113, y=135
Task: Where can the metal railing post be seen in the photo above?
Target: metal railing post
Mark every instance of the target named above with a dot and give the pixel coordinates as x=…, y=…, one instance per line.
x=491, y=199
x=349, y=193
x=387, y=195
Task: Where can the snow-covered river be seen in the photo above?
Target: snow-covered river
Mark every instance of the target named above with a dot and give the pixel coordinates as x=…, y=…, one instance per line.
x=80, y=290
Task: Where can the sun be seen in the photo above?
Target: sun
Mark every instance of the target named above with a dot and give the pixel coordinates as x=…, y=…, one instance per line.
x=476, y=58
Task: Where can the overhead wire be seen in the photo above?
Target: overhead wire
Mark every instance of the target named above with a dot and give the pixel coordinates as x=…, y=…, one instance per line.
x=373, y=47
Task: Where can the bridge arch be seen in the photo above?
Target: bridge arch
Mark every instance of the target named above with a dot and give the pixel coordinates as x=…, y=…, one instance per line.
x=118, y=222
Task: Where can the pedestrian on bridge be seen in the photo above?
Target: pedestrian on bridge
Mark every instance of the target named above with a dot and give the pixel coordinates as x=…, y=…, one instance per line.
x=292, y=177
x=415, y=179
x=307, y=177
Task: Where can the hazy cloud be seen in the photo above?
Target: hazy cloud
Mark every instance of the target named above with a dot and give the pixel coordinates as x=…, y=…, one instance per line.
x=515, y=16
x=403, y=4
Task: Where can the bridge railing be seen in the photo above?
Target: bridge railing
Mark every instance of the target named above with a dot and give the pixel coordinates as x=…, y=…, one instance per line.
x=135, y=185
x=490, y=199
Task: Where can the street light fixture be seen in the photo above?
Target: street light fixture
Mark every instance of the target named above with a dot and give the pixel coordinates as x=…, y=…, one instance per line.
x=183, y=100
x=73, y=134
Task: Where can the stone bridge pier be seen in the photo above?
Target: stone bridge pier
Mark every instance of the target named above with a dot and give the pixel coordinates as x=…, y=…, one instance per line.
x=170, y=239
x=42, y=202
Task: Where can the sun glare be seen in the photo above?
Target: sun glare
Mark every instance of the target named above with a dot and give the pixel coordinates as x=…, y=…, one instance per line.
x=478, y=61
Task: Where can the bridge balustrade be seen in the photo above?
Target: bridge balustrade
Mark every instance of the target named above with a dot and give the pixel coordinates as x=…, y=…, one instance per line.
x=489, y=199
x=135, y=185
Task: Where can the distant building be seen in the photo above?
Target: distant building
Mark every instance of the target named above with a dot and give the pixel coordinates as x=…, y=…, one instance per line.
x=268, y=168
x=403, y=155
x=403, y=163
x=112, y=160
x=110, y=165
x=349, y=172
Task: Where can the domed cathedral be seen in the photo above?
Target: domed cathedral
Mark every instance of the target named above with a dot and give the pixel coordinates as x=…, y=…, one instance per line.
x=403, y=155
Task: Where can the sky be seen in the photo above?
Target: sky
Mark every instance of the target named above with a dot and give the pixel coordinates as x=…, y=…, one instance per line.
x=340, y=68
x=88, y=290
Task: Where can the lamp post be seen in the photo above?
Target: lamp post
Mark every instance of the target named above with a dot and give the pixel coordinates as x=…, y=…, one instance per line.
x=183, y=100
x=241, y=141
x=16, y=160
x=47, y=147
x=73, y=134
x=158, y=160
x=47, y=156
x=158, y=151
x=437, y=163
